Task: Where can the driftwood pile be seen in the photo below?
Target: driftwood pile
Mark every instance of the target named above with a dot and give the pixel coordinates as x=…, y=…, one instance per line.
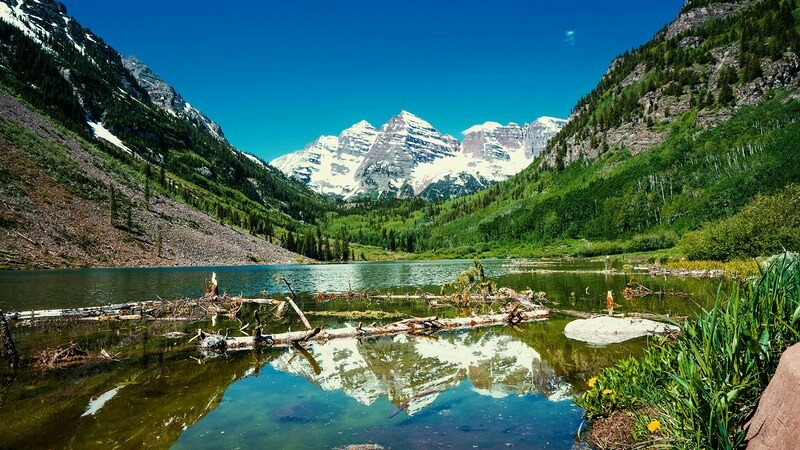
x=59, y=357
x=416, y=325
x=634, y=289
x=518, y=309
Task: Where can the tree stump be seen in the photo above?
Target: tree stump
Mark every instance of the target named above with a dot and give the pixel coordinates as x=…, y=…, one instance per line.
x=9, y=350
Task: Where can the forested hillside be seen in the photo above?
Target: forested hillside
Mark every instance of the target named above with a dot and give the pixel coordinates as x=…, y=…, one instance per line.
x=693, y=127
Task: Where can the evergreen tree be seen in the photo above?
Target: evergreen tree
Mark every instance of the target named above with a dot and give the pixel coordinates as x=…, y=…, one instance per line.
x=337, y=249
x=328, y=255
x=147, y=187
x=129, y=218
x=751, y=68
x=320, y=244
x=158, y=242
x=269, y=230
x=345, y=249
x=112, y=203
x=725, y=96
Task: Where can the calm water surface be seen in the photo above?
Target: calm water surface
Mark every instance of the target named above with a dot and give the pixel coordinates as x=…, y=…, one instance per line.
x=91, y=287
x=481, y=388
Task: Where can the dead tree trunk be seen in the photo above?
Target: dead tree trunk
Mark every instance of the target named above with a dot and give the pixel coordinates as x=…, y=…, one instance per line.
x=408, y=326
x=294, y=306
x=9, y=350
x=212, y=290
x=300, y=313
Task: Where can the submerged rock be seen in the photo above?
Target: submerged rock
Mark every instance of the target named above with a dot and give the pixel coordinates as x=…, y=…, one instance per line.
x=605, y=330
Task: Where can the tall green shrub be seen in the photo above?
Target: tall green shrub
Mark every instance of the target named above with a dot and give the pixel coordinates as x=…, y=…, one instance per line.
x=766, y=225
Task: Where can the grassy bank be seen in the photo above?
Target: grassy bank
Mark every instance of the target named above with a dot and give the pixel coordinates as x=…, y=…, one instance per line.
x=700, y=390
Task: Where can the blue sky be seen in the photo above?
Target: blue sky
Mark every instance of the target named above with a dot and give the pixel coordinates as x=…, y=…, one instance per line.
x=278, y=74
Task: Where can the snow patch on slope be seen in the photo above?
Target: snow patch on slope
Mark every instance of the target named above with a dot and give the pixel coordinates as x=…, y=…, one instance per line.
x=18, y=18
x=254, y=159
x=102, y=132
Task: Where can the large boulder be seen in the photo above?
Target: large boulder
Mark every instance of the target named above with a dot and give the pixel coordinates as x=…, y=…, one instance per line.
x=604, y=330
x=777, y=417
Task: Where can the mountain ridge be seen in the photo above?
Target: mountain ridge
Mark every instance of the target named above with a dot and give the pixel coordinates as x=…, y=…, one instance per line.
x=685, y=66
x=166, y=97
x=409, y=157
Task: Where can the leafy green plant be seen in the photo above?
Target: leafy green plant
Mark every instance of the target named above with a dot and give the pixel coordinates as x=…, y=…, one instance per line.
x=706, y=384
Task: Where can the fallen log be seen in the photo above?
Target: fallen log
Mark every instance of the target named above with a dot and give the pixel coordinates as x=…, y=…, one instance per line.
x=294, y=305
x=409, y=326
x=118, y=317
x=90, y=311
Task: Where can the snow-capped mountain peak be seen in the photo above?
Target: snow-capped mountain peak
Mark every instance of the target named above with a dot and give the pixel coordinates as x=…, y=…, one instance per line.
x=552, y=124
x=487, y=127
x=359, y=127
x=407, y=156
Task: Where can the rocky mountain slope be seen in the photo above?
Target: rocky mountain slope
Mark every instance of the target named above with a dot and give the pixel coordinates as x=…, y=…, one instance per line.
x=715, y=58
x=57, y=211
x=166, y=97
x=149, y=141
x=408, y=157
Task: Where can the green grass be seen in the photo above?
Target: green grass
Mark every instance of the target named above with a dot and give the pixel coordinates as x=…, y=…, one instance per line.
x=704, y=387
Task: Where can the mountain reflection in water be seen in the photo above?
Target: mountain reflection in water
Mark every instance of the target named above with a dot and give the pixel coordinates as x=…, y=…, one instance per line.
x=402, y=368
x=482, y=387
x=485, y=387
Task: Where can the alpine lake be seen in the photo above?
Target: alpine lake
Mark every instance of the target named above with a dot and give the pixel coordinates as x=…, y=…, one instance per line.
x=490, y=387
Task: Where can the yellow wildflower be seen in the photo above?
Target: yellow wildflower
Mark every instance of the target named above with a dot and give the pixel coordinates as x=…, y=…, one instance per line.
x=592, y=381
x=654, y=426
x=607, y=391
